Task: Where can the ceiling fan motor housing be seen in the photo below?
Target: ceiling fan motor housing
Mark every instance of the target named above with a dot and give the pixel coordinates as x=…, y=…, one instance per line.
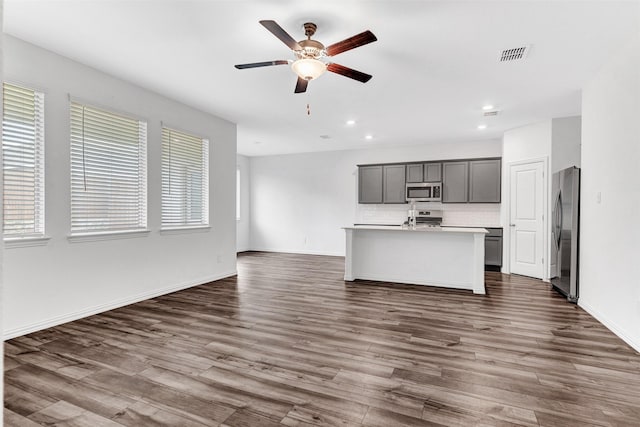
x=309, y=29
x=310, y=49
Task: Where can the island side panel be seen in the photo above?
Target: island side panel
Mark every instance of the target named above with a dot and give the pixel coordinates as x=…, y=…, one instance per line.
x=478, y=273
x=446, y=259
x=348, y=258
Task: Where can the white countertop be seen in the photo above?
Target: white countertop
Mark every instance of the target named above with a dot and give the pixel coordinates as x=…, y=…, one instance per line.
x=473, y=226
x=418, y=229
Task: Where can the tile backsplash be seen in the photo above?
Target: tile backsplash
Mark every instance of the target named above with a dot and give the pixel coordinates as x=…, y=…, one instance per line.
x=463, y=214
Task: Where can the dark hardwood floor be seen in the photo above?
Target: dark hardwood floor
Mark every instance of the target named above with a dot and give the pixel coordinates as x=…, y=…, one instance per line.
x=288, y=342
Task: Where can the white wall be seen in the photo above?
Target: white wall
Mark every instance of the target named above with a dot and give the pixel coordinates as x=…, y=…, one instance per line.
x=243, y=241
x=610, y=229
x=531, y=142
x=299, y=202
x=566, y=138
x=527, y=142
x=555, y=141
x=62, y=280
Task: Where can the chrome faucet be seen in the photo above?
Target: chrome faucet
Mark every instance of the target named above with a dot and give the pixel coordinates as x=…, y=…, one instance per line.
x=412, y=215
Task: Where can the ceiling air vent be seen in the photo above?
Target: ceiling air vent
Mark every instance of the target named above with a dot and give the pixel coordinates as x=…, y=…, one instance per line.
x=490, y=113
x=325, y=136
x=514, y=54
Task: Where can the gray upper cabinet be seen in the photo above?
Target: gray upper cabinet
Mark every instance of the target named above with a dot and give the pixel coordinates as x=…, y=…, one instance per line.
x=484, y=181
x=463, y=181
x=424, y=172
x=455, y=182
x=414, y=172
x=433, y=172
x=370, y=184
x=393, y=187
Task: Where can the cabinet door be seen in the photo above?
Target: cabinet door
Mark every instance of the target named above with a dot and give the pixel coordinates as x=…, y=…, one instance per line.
x=414, y=173
x=484, y=181
x=433, y=172
x=455, y=180
x=493, y=251
x=370, y=184
x=393, y=184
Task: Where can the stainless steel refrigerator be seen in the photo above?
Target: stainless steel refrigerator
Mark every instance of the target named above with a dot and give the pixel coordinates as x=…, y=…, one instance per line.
x=565, y=232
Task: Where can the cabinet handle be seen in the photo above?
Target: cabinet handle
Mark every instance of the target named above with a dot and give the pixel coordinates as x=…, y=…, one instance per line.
x=512, y=225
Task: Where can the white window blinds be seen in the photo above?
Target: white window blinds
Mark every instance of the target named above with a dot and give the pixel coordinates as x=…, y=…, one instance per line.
x=108, y=171
x=185, y=180
x=23, y=161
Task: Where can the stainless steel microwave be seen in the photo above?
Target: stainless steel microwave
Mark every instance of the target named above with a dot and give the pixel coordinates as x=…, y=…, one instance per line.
x=424, y=192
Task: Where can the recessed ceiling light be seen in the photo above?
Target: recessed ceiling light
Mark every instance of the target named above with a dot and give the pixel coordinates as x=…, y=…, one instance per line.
x=487, y=107
x=351, y=122
x=482, y=127
x=368, y=137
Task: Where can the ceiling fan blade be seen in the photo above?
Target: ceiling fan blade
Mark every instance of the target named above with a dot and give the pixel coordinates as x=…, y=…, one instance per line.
x=351, y=43
x=349, y=72
x=280, y=33
x=260, y=64
x=301, y=85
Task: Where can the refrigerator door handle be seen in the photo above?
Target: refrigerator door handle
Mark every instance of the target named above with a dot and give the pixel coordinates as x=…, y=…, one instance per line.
x=560, y=223
x=558, y=220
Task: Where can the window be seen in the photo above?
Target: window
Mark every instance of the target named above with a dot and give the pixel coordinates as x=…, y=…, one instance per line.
x=185, y=180
x=237, y=194
x=23, y=162
x=108, y=171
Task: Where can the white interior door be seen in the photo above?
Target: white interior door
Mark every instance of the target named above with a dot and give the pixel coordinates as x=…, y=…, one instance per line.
x=526, y=215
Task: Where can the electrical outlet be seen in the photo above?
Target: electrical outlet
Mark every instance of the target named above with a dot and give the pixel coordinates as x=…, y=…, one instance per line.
x=220, y=259
x=598, y=197
x=305, y=240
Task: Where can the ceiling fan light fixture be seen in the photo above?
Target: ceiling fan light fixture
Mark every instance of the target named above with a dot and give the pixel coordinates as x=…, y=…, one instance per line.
x=309, y=68
x=308, y=53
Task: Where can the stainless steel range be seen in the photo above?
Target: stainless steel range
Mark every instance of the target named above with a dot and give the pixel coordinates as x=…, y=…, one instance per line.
x=427, y=218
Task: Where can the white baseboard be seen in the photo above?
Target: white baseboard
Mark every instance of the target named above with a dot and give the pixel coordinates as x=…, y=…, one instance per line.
x=609, y=324
x=298, y=251
x=69, y=317
x=411, y=281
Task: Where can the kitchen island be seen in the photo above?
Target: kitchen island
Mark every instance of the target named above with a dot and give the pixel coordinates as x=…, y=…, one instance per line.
x=450, y=257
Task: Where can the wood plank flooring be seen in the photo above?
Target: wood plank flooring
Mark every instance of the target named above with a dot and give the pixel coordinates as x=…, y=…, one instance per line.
x=288, y=342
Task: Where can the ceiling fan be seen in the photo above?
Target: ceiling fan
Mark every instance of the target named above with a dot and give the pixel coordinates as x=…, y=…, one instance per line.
x=309, y=54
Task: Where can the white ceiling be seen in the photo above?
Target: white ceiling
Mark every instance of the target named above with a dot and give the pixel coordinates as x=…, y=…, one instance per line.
x=434, y=65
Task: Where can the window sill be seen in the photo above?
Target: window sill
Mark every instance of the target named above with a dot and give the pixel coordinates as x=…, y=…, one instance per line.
x=108, y=235
x=25, y=242
x=184, y=230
